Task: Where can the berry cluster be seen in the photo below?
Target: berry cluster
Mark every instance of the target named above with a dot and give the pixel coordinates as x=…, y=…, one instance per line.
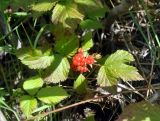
x=80, y=62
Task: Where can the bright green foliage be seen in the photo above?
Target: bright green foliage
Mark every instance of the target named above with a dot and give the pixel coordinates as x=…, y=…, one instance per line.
x=28, y=104
x=33, y=84
x=58, y=71
x=67, y=45
x=88, y=42
x=115, y=68
x=91, y=3
x=43, y=6
x=36, y=5
x=67, y=14
x=80, y=85
x=142, y=111
x=52, y=95
x=90, y=24
x=35, y=58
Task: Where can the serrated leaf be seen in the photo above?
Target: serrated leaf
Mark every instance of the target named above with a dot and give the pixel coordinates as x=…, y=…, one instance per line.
x=67, y=14
x=115, y=68
x=58, y=71
x=28, y=104
x=43, y=6
x=90, y=24
x=33, y=84
x=80, y=85
x=35, y=59
x=88, y=42
x=67, y=45
x=52, y=95
x=142, y=111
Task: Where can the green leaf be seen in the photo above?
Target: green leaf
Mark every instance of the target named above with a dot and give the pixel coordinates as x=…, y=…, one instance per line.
x=43, y=6
x=52, y=95
x=88, y=42
x=142, y=111
x=4, y=4
x=33, y=84
x=90, y=24
x=92, y=8
x=32, y=4
x=28, y=104
x=35, y=59
x=58, y=71
x=115, y=68
x=25, y=4
x=80, y=85
x=67, y=14
x=67, y=45
x=92, y=3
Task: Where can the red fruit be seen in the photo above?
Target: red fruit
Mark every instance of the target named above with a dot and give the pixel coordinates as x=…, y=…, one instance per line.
x=89, y=60
x=78, y=60
x=82, y=69
x=74, y=67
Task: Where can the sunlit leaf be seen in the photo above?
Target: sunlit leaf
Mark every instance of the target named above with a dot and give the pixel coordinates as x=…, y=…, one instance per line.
x=115, y=68
x=52, y=95
x=80, y=85
x=67, y=14
x=58, y=71
x=28, y=104
x=67, y=45
x=43, y=6
x=92, y=3
x=142, y=111
x=88, y=42
x=35, y=59
x=33, y=84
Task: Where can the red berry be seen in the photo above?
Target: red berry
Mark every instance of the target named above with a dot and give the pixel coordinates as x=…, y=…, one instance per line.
x=82, y=69
x=89, y=60
x=74, y=67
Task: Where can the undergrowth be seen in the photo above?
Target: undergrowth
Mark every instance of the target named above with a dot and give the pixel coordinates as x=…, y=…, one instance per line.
x=61, y=61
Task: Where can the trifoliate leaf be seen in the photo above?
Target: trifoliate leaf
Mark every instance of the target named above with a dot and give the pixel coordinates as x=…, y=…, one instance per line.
x=52, y=95
x=67, y=14
x=28, y=104
x=58, y=71
x=88, y=42
x=142, y=111
x=115, y=68
x=33, y=84
x=67, y=46
x=35, y=58
x=90, y=24
x=80, y=85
